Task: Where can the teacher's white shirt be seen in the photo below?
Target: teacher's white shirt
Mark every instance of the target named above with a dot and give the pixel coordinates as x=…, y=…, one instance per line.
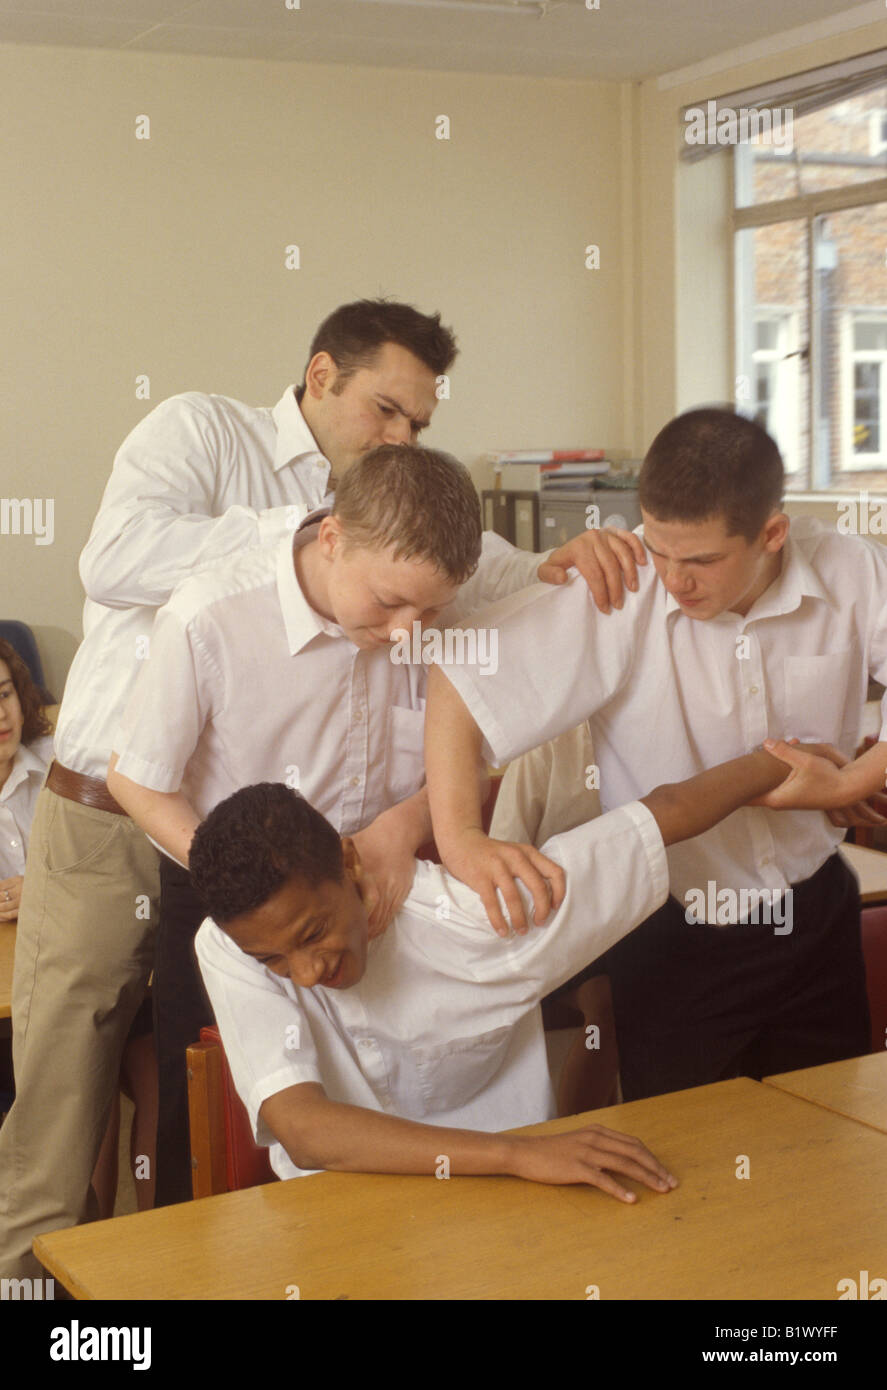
x=199, y=478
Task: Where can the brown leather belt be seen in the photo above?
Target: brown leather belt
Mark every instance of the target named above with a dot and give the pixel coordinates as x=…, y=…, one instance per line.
x=88, y=791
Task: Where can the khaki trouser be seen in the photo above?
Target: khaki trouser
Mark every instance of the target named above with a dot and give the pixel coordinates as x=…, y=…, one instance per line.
x=83, y=956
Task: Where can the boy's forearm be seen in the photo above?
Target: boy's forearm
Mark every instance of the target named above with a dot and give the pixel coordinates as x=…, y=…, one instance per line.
x=320, y=1133
x=867, y=775
x=409, y=822
x=452, y=761
x=168, y=817
x=685, y=809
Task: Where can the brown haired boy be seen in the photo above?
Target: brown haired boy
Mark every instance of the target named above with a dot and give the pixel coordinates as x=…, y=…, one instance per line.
x=743, y=628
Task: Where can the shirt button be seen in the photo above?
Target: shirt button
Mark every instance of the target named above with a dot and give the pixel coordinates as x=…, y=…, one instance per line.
x=365, y=1043
x=358, y=716
x=753, y=689
x=355, y=781
x=14, y=844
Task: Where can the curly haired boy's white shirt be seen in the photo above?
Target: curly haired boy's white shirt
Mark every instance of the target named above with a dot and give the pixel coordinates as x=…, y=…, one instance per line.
x=445, y=1027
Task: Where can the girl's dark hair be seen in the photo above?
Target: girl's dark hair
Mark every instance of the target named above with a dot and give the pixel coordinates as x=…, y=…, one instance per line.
x=30, y=696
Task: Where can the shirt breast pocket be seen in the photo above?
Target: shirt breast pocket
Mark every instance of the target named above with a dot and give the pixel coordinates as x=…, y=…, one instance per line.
x=405, y=763
x=451, y=1074
x=816, y=697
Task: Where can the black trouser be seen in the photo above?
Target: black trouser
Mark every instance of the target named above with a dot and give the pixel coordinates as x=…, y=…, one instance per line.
x=181, y=1009
x=695, y=1003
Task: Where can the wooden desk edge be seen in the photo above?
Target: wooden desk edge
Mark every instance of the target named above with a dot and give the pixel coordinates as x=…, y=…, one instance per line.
x=57, y=1269
x=778, y=1084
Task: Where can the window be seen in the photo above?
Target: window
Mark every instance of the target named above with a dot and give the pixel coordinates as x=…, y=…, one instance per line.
x=865, y=391
x=877, y=133
x=809, y=227
x=776, y=378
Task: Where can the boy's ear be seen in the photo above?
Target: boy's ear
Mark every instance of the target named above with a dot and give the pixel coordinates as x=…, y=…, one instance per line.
x=351, y=860
x=776, y=529
x=329, y=535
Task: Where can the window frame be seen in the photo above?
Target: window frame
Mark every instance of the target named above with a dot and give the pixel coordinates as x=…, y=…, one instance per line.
x=804, y=209
x=850, y=355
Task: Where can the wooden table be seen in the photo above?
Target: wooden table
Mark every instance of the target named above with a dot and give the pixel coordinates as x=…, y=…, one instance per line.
x=870, y=866
x=811, y=1213
x=856, y=1088
x=7, y=952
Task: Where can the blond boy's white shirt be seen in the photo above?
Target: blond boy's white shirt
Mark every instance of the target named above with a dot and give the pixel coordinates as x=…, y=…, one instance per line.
x=667, y=696
x=247, y=683
x=445, y=1026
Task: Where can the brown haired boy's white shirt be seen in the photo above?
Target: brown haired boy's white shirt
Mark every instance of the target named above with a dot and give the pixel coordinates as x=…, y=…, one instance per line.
x=248, y=683
x=445, y=1025
x=667, y=695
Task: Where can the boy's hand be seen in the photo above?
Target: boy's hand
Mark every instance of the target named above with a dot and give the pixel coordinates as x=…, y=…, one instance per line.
x=607, y=561
x=590, y=1155
x=10, y=897
x=387, y=870
x=814, y=783
x=486, y=865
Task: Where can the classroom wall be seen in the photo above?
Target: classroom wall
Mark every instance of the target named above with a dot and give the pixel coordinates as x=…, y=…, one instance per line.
x=166, y=257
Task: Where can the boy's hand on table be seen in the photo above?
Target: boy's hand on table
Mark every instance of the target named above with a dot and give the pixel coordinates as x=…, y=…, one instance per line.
x=486, y=865
x=387, y=869
x=606, y=559
x=590, y=1155
x=814, y=783
x=10, y=897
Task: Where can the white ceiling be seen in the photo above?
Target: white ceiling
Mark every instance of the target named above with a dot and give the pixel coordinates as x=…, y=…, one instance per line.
x=622, y=40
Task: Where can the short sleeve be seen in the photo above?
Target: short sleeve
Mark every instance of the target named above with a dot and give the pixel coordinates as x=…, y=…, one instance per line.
x=266, y=1036
x=170, y=703
x=553, y=661
x=616, y=876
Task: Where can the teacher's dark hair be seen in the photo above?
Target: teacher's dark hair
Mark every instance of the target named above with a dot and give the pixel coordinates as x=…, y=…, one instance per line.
x=354, y=333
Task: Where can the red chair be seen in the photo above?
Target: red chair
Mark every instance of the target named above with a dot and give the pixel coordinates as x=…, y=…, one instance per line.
x=874, y=948
x=224, y=1155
